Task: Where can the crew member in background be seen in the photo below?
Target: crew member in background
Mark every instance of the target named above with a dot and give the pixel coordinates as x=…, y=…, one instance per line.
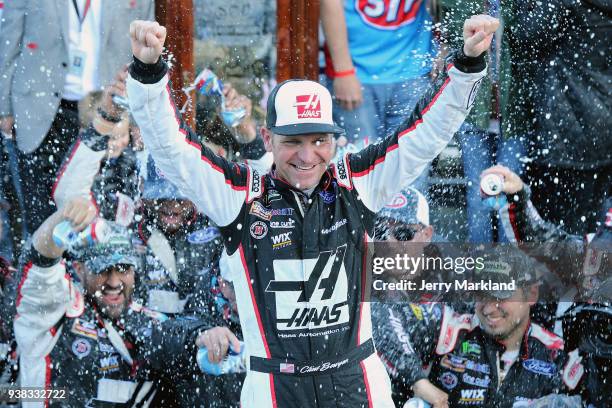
x=85, y=333
x=493, y=358
x=583, y=264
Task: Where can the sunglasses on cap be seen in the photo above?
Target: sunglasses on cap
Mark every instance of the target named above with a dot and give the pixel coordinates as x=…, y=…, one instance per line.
x=401, y=232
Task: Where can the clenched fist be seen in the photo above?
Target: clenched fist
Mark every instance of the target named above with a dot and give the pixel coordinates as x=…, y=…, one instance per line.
x=478, y=32
x=147, y=40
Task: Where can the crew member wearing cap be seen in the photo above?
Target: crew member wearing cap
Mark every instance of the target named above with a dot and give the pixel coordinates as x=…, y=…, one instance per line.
x=405, y=218
x=297, y=236
x=85, y=333
x=493, y=358
x=181, y=269
x=403, y=226
x=584, y=264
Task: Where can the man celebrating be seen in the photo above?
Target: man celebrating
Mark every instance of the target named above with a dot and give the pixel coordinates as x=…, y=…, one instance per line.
x=495, y=357
x=93, y=334
x=297, y=237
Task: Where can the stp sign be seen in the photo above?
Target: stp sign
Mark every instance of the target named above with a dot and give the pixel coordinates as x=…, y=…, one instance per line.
x=388, y=14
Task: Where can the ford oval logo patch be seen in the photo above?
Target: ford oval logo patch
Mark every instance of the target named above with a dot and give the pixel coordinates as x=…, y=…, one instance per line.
x=203, y=236
x=539, y=367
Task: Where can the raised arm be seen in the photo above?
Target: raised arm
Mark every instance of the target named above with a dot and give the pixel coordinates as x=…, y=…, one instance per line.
x=218, y=188
x=80, y=167
x=521, y=219
x=524, y=225
x=383, y=169
x=76, y=176
x=45, y=293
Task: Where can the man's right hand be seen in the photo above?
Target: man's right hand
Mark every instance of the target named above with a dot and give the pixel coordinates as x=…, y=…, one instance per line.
x=6, y=124
x=148, y=39
x=347, y=90
x=79, y=211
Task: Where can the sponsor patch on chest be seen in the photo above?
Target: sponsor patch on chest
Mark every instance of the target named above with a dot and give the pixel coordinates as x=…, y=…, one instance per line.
x=258, y=210
x=334, y=227
x=449, y=380
x=472, y=396
x=85, y=328
x=539, y=367
x=477, y=381
x=81, y=348
x=289, y=224
x=258, y=230
x=311, y=294
x=281, y=240
x=203, y=236
x=109, y=364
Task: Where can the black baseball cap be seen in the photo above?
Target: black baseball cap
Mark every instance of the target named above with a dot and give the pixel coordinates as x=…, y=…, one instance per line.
x=506, y=264
x=117, y=249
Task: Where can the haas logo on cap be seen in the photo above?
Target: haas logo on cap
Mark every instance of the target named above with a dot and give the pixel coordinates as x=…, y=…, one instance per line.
x=388, y=14
x=308, y=106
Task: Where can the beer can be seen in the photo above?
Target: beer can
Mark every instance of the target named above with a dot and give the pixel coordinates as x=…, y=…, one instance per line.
x=234, y=362
x=65, y=237
x=416, y=403
x=121, y=102
x=492, y=185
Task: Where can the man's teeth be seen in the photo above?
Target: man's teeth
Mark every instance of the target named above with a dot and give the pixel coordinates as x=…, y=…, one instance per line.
x=304, y=168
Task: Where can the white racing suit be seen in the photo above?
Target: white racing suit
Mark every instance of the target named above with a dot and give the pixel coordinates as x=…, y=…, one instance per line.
x=298, y=263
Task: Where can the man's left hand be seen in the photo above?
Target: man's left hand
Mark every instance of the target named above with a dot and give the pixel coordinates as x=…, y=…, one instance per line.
x=478, y=32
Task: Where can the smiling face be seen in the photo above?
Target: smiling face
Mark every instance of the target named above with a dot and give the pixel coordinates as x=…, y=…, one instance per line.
x=170, y=215
x=111, y=289
x=508, y=318
x=300, y=160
